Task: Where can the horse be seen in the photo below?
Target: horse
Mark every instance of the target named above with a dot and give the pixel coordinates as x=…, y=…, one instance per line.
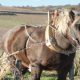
x=49, y=48
x=55, y=47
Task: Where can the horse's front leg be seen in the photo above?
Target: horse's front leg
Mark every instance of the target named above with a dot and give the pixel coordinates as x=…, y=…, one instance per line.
x=62, y=74
x=35, y=72
x=71, y=73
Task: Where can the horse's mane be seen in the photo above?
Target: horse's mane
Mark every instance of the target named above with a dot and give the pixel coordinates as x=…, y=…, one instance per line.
x=62, y=19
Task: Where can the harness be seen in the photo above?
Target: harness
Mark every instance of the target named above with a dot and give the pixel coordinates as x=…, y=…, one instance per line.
x=50, y=40
x=52, y=44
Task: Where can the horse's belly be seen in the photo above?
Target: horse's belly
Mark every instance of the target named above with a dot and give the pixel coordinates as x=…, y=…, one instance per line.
x=51, y=67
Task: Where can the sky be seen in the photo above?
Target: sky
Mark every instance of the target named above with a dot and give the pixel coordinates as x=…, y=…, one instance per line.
x=37, y=2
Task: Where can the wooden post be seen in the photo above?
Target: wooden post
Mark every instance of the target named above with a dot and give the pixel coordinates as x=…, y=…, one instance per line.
x=48, y=18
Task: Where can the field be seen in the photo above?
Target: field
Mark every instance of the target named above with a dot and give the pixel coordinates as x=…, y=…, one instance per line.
x=10, y=21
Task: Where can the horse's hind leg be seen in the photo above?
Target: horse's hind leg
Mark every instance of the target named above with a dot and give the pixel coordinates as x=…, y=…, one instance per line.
x=17, y=72
x=35, y=72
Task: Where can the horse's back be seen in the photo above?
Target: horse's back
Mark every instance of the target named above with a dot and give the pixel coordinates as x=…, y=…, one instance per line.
x=12, y=40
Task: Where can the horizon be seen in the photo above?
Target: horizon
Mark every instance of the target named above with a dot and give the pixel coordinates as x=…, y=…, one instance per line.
x=37, y=3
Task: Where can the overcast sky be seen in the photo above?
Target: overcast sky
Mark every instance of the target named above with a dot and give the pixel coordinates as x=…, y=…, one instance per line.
x=37, y=2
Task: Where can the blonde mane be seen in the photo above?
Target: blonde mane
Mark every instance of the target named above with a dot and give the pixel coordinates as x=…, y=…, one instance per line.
x=61, y=20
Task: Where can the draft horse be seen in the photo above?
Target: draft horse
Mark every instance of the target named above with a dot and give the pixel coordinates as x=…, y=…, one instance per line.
x=49, y=48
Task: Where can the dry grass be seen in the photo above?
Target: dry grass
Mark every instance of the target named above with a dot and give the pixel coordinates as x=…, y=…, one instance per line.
x=9, y=21
x=13, y=20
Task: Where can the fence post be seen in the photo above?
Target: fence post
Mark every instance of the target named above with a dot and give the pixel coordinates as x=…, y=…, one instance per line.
x=48, y=18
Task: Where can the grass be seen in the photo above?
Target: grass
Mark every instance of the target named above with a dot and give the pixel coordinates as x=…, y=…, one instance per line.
x=10, y=21
x=13, y=20
x=45, y=76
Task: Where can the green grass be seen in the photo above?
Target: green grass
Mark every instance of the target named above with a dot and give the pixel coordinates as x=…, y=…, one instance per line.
x=45, y=76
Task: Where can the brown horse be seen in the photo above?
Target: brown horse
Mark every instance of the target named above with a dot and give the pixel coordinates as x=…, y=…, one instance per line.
x=56, y=50
x=49, y=51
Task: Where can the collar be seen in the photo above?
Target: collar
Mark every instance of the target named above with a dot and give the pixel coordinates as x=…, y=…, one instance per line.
x=51, y=44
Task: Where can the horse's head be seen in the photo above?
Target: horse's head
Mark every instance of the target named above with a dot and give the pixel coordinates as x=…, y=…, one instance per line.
x=65, y=23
